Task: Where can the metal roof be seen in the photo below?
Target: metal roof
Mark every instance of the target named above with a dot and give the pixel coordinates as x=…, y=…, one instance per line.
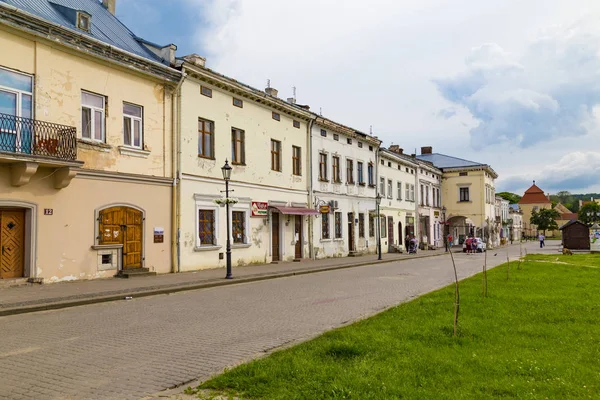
x=104, y=26
x=444, y=161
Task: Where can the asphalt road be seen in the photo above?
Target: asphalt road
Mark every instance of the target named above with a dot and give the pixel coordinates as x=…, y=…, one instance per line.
x=139, y=347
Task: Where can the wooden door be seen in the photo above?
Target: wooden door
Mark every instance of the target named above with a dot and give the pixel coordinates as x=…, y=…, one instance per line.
x=123, y=225
x=275, y=237
x=390, y=233
x=298, y=233
x=351, y=246
x=12, y=242
x=400, y=233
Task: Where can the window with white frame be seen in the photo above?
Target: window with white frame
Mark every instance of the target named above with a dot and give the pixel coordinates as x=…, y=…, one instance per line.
x=207, y=222
x=407, y=192
x=133, y=125
x=422, y=197
x=390, y=193
x=383, y=226
x=16, y=100
x=399, y=190
x=382, y=186
x=463, y=194
x=93, y=116
x=338, y=225
x=412, y=192
x=240, y=222
x=427, y=196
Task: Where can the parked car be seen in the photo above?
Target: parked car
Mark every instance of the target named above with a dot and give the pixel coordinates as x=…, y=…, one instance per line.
x=481, y=247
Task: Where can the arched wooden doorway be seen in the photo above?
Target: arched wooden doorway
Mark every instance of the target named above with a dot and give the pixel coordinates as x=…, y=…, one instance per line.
x=123, y=225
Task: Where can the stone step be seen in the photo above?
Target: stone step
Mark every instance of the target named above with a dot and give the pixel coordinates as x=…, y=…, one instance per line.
x=134, y=273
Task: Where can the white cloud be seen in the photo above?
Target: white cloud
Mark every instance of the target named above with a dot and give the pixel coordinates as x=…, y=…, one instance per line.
x=530, y=73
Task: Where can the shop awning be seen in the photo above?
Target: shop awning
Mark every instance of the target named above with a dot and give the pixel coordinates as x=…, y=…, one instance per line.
x=295, y=210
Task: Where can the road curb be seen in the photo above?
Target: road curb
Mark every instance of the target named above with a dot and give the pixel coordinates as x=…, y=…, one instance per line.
x=204, y=285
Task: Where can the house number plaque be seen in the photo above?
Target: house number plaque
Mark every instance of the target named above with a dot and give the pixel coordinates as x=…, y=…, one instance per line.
x=48, y=211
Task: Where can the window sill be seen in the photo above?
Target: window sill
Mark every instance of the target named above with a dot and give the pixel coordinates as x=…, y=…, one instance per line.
x=241, y=246
x=361, y=184
x=207, y=248
x=325, y=240
x=464, y=201
x=324, y=180
x=350, y=183
x=337, y=182
x=338, y=239
x=238, y=164
x=107, y=246
x=94, y=145
x=133, y=152
x=206, y=158
x=372, y=186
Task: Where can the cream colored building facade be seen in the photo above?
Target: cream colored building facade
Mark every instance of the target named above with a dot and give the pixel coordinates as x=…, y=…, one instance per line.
x=265, y=140
x=80, y=197
x=397, y=185
x=468, y=196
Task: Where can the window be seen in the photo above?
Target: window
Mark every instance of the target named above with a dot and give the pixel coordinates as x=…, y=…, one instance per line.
x=238, y=226
x=238, y=148
x=370, y=175
x=16, y=98
x=370, y=148
x=324, y=226
x=205, y=138
x=412, y=192
x=323, y=133
x=336, y=169
x=349, y=171
x=84, y=21
x=359, y=168
x=463, y=174
x=361, y=225
x=336, y=136
x=464, y=194
x=338, y=225
x=422, y=197
x=132, y=125
x=296, y=124
x=360, y=145
x=389, y=189
x=92, y=116
x=371, y=225
x=206, y=91
x=276, y=116
x=407, y=192
x=349, y=141
x=383, y=226
x=275, y=155
x=296, y=160
x=389, y=164
x=382, y=162
x=206, y=227
x=434, y=196
x=427, y=196
x=322, y=167
x=238, y=103
x=382, y=187
x=399, y=190
x=399, y=167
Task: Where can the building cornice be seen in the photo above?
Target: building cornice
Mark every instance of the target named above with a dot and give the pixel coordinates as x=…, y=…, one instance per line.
x=346, y=130
x=23, y=21
x=234, y=87
x=409, y=161
x=482, y=167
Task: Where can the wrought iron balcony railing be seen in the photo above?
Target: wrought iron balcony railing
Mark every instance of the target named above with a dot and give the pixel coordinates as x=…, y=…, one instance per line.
x=26, y=136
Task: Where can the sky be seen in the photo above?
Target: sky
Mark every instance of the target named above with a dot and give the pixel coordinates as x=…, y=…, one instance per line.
x=513, y=84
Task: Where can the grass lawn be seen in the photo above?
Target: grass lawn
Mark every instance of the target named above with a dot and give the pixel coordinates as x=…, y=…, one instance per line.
x=536, y=336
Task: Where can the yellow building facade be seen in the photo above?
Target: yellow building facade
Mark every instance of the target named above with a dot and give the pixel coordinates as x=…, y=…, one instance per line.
x=85, y=153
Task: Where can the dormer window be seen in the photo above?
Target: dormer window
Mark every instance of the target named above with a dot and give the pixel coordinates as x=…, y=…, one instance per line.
x=84, y=21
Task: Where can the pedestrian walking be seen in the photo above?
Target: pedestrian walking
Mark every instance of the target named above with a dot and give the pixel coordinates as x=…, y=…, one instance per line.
x=542, y=238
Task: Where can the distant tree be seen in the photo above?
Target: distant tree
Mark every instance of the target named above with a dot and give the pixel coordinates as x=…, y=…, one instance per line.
x=513, y=198
x=545, y=219
x=564, y=196
x=593, y=209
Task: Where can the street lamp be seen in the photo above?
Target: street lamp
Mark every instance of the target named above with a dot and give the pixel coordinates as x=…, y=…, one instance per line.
x=226, y=169
x=378, y=201
x=444, y=222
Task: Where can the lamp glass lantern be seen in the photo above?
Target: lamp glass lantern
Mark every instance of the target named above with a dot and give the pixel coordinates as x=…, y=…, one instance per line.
x=226, y=169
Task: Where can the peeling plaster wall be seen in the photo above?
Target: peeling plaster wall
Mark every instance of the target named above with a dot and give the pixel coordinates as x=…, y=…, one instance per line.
x=64, y=239
x=60, y=76
x=254, y=181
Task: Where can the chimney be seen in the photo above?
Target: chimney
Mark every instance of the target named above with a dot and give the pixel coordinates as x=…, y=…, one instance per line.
x=426, y=150
x=291, y=100
x=271, y=91
x=110, y=5
x=195, y=59
x=396, y=149
x=413, y=155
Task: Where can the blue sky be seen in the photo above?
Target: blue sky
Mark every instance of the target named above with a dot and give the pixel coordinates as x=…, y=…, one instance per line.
x=511, y=83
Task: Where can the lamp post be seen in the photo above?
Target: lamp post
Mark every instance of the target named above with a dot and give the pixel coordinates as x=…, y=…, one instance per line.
x=378, y=201
x=445, y=234
x=226, y=169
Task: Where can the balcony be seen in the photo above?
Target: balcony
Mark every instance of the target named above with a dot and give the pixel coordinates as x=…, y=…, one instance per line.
x=26, y=144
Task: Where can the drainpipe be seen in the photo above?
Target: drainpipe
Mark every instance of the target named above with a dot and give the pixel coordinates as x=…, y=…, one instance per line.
x=176, y=171
x=311, y=250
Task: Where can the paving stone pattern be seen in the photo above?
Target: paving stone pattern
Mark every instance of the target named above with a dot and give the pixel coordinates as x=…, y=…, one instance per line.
x=136, y=348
